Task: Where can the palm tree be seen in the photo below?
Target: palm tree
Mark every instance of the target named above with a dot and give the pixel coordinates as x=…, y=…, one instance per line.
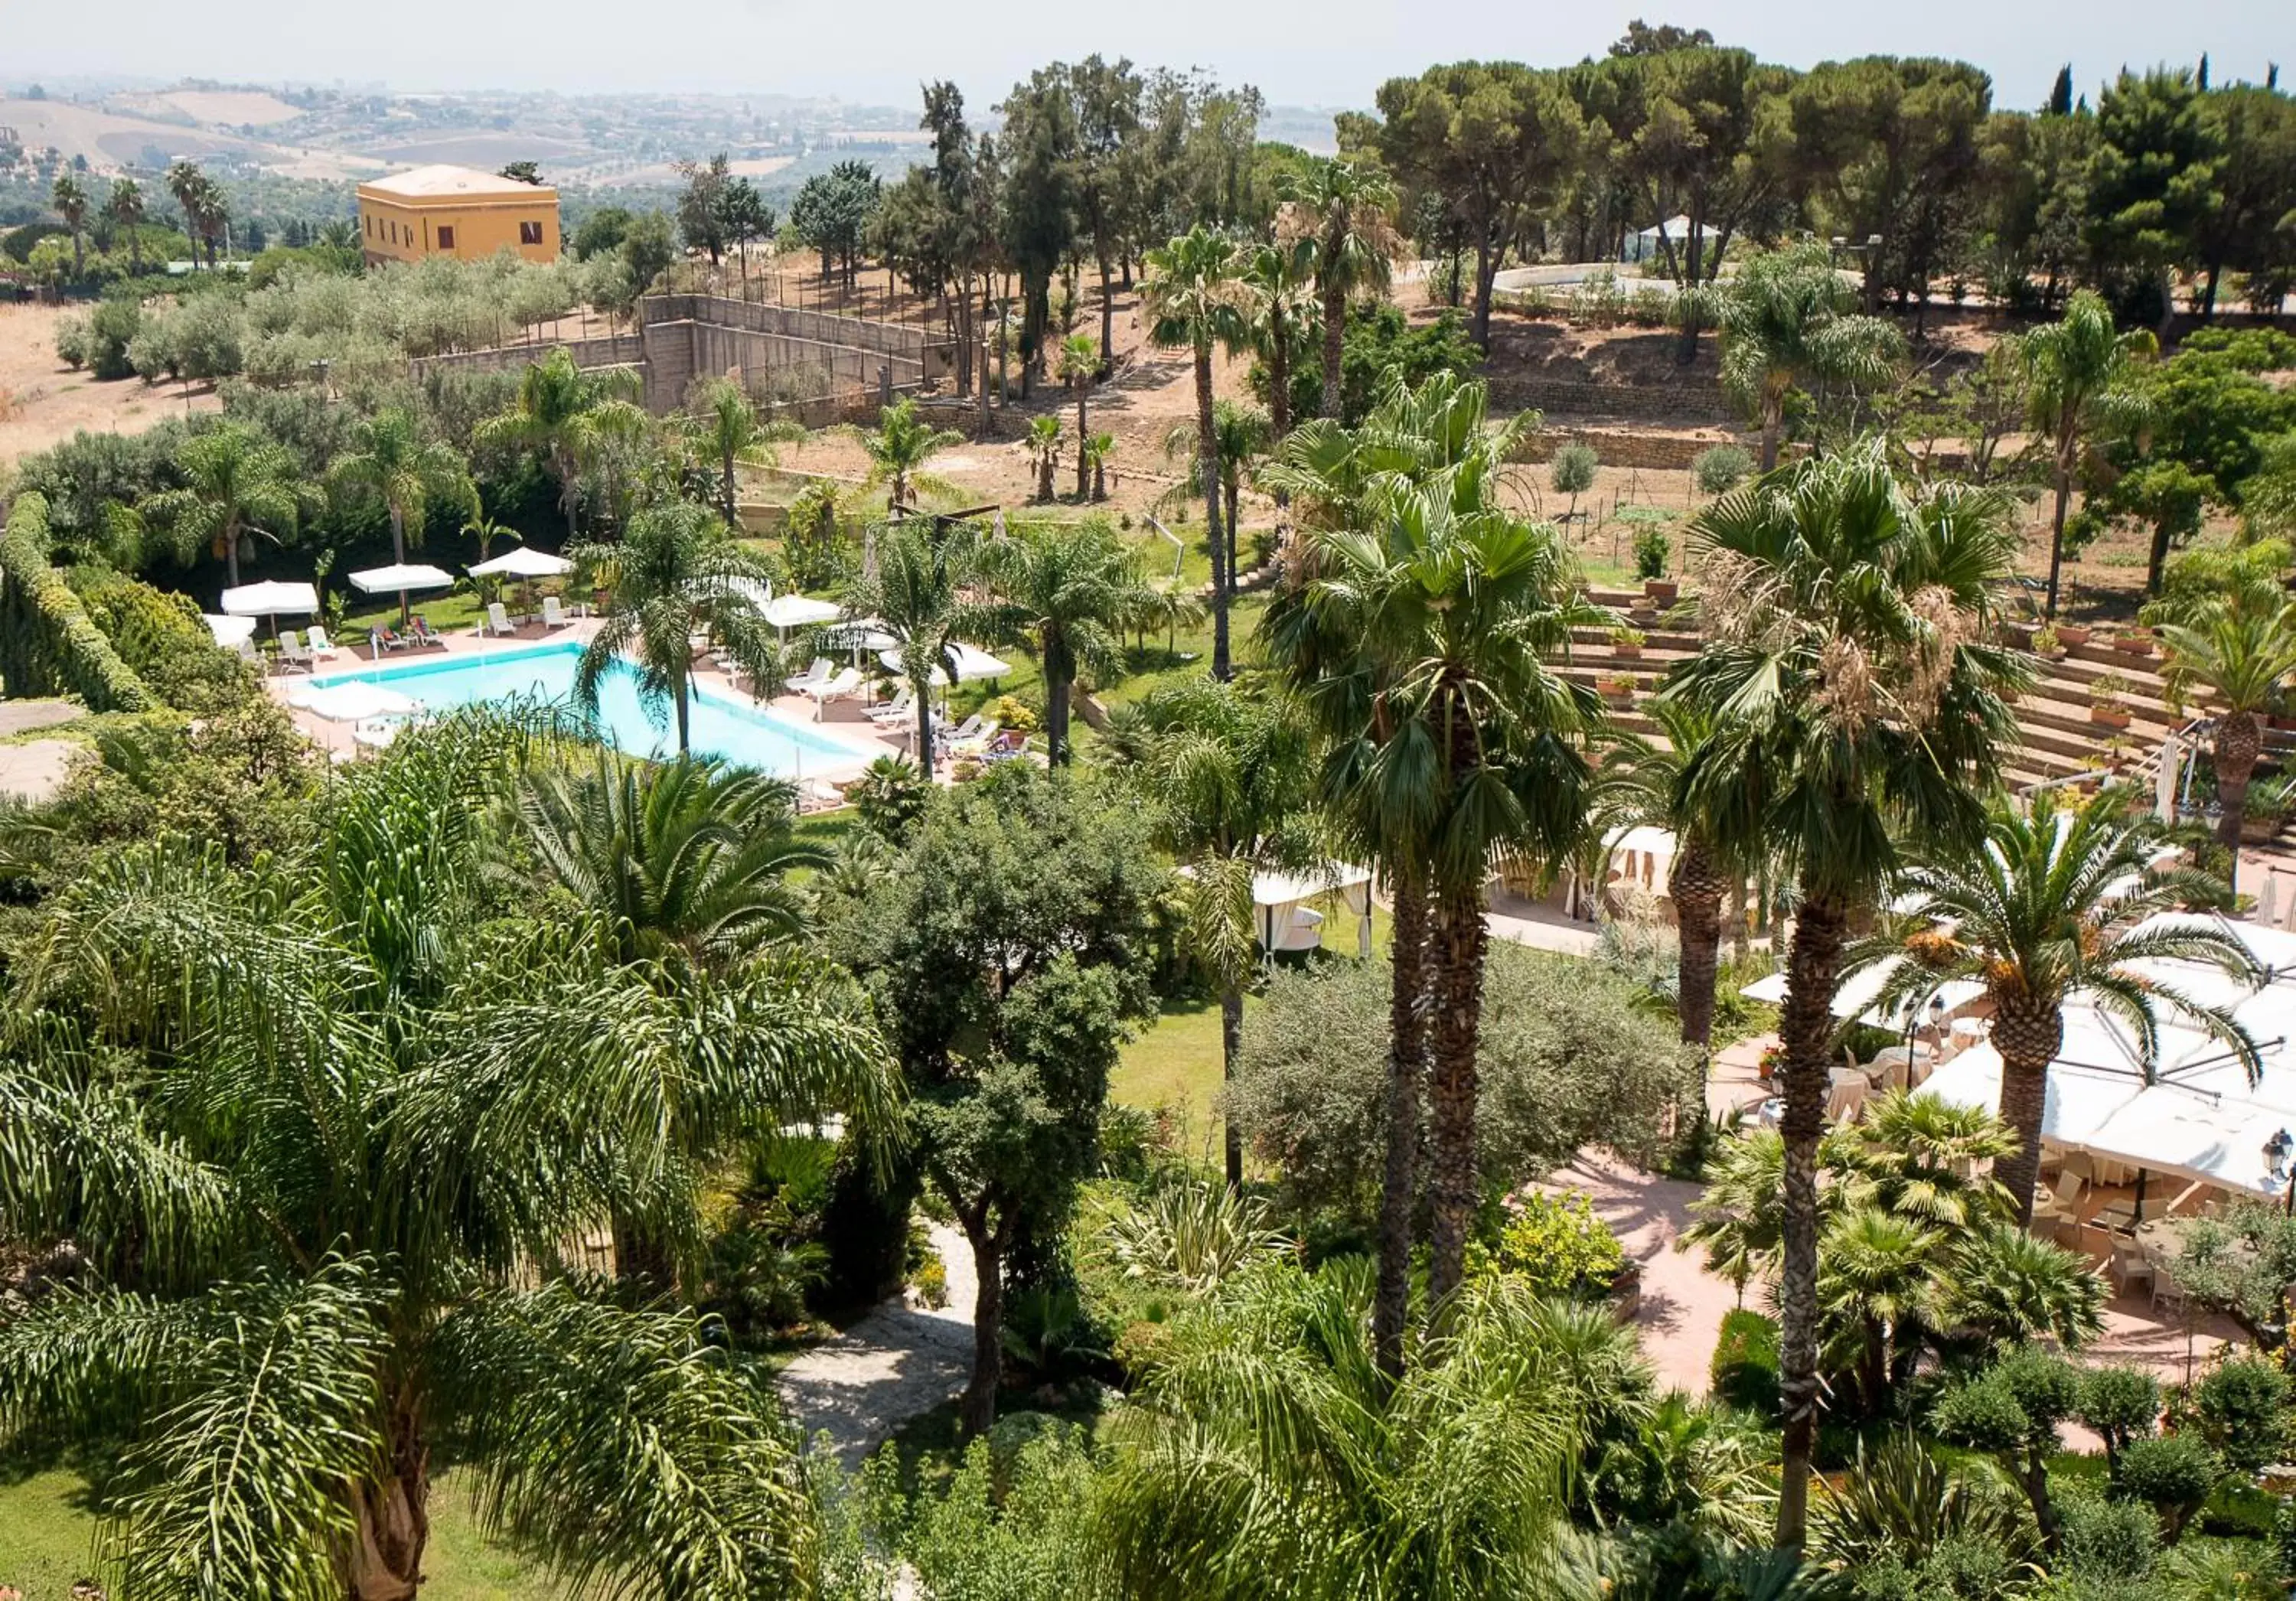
x=677, y=575
x=2079, y=365
x=2242, y=656
x=125, y=207
x=1067, y=590
x=1044, y=450
x=726, y=428
x=70, y=197
x=902, y=443
x=687, y=854
x=1278, y=276
x=1786, y=318
x=345, y=1242
x=395, y=464
x=1241, y=435
x=236, y=483
x=1094, y=451
x=558, y=417
x=1268, y=1455
x=1230, y=777
x=1876, y=1289
x=189, y=186
x=1852, y=683
x=921, y=594
x=484, y=530
x=1340, y=207
x=1079, y=366
x=1194, y=301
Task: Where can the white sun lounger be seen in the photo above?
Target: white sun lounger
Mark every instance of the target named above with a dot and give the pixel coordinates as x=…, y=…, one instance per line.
x=817, y=674
x=321, y=645
x=848, y=682
x=551, y=616
x=900, y=706
x=292, y=653
x=497, y=619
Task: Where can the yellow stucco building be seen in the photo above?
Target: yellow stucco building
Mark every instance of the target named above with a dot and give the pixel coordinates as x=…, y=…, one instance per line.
x=455, y=211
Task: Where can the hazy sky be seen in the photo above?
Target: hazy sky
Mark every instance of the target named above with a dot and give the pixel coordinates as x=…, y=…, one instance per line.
x=1332, y=53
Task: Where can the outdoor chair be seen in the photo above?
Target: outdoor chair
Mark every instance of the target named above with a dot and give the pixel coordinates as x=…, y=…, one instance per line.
x=551, y=616
x=321, y=645
x=292, y=653
x=497, y=619
x=424, y=634
x=818, y=673
x=383, y=639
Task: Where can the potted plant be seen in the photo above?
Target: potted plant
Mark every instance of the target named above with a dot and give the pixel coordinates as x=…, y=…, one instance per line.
x=2105, y=707
x=1616, y=687
x=2049, y=643
x=1773, y=1057
x=2137, y=642
x=1627, y=644
x=2072, y=634
x=2264, y=812
x=1652, y=550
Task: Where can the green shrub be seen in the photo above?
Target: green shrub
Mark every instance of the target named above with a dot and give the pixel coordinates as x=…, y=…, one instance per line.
x=1572, y=470
x=112, y=328
x=158, y=635
x=2099, y=1538
x=48, y=645
x=1744, y=1371
x=73, y=341
x=2174, y=1473
x=2240, y=1510
x=1558, y=1246
x=1720, y=468
x=2119, y=1404
x=1652, y=551
x=2240, y=1404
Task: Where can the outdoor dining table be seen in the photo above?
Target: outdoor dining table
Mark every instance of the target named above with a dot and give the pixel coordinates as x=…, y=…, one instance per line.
x=2162, y=1239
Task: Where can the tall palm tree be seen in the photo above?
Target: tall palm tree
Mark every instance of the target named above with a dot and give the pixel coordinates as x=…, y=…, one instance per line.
x=188, y=184
x=236, y=483
x=1279, y=277
x=125, y=207
x=555, y=417
x=1852, y=683
x=1065, y=590
x=1340, y=207
x=2242, y=657
x=1045, y=438
x=2037, y=909
x=391, y=461
x=676, y=575
x=1241, y=434
x=2081, y=366
x=70, y=197
x=903, y=441
x=923, y=594
x=1195, y=301
x=1230, y=776
x=345, y=1240
x=1268, y=1455
x=726, y=428
x=1786, y=319
x=1079, y=366
x=687, y=854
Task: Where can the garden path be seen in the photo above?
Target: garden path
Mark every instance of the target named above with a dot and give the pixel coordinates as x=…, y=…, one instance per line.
x=1683, y=1305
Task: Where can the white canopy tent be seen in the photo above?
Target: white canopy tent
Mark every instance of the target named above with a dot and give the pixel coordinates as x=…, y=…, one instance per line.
x=271, y=599
x=354, y=701
x=524, y=562
x=1859, y=995
x=786, y=611
x=1279, y=904
x=971, y=661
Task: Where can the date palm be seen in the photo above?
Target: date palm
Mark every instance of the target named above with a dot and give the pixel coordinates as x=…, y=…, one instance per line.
x=70, y=197
x=1079, y=366
x=2079, y=368
x=1786, y=319
x=726, y=429
x=1852, y=682
x=1230, y=777
x=553, y=418
x=2242, y=657
x=687, y=854
x=125, y=207
x=2038, y=909
x=326, y=1178
x=1065, y=591
x=1195, y=301
x=1339, y=207
x=236, y=483
x=677, y=574
x=898, y=447
x=392, y=462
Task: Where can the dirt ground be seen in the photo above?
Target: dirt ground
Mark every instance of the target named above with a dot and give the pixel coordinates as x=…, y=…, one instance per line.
x=43, y=401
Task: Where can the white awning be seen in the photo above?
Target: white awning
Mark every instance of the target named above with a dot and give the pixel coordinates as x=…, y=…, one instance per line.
x=353, y=701
x=271, y=598
x=524, y=562
x=230, y=632
x=1856, y=994
x=1285, y=888
x=971, y=663
x=400, y=578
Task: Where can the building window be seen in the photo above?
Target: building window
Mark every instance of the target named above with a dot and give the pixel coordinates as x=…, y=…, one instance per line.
x=446, y=237
x=529, y=232
x=370, y=227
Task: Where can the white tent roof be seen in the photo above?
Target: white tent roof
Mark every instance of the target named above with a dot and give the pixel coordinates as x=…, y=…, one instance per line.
x=354, y=701
x=2169, y=1129
x=524, y=562
x=1856, y=994
x=271, y=598
x=399, y=579
x=230, y=632
x=1676, y=227
x=861, y=634
x=1285, y=888
x=798, y=611
x=971, y=662
x=1645, y=838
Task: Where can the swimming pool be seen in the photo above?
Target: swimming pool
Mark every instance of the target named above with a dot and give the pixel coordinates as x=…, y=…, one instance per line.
x=750, y=736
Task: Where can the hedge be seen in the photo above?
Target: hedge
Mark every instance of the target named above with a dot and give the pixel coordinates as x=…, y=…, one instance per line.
x=1745, y=1368
x=48, y=644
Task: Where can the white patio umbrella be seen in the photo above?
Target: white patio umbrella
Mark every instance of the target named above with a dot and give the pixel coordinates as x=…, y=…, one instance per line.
x=354, y=701
x=400, y=578
x=230, y=632
x=524, y=562
x=786, y=611
x=971, y=662
x=273, y=599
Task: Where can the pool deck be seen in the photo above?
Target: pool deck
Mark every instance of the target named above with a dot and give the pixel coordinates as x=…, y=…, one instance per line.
x=841, y=722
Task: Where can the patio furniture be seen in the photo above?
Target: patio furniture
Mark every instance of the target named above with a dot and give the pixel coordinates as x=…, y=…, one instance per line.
x=553, y=616
x=1851, y=1090
x=292, y=653
x=419, y=629
x=321, y=645
x=497, y=619
x=2129, y=1267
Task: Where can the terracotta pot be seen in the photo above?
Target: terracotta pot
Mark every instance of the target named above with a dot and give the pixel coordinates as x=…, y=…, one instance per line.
x=1661, y=590
x=2110, y=717
x=1625, y=652
x=2071, y=634
x=2133, y=645
x=2261, y=830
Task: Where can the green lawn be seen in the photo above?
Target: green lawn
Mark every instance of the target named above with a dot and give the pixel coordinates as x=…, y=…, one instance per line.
x=47, y=1538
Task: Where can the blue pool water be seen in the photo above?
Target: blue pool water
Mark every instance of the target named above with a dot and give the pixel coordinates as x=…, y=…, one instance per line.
x=751, y=737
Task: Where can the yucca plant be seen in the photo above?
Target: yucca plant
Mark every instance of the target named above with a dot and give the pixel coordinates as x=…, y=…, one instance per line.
x=1194, y=1234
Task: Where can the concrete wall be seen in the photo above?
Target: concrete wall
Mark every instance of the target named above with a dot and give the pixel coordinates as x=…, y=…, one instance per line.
x=627, y=350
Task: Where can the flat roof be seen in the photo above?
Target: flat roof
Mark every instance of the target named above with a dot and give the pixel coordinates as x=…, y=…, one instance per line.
x=454, y=183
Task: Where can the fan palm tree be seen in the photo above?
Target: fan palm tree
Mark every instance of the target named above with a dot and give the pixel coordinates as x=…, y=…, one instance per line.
x=1230, y=776
x=1786, y=318
x=2079, y=368
x=676, y=575
x=1876, y=1279
x=1241, y=435
x=687, y=853
x=1279, y=277
x=70, y=197
x=338, y=1238
x=395, y=464
x=194, y=194
x=1852, y=684
x=1045, y=438
x=1268, y=1455
x=1079, y=366
x=1340, y=207
x=1065, y=590
x=1195, y=301
x=725, y=428
x=236, y=483
x=1095, y=452
x=2038, y=907
x=923, y=595
x=2242, y=657
x=125, y=207
x=903, y=441
x=553, y=417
